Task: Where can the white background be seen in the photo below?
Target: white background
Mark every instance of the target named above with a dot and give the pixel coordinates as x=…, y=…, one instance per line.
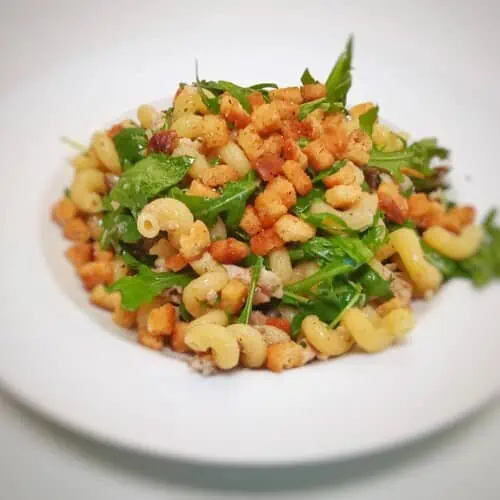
x=38, y=460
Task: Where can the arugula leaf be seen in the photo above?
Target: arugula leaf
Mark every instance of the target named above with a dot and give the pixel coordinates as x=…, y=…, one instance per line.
x=372, y=283
x=354, y=248
x=336, y=267
x=321, y=103
x=376, y=236
x=367, y=120
x=307, y=78
x=247, y=310
x=318, y=247
x=212, y=103
x=448, y=267
x=118, y=225
x=329, y=171
x=424, y=151
x=145, y=286
x=339, y=80
x=169, y=117
x=262, y=86
x=149, y=178
x=391, y=162
x=330, y=223
x=304, y=202
x=232, y=201
x=303, y=142
x=350, y=303
x=485, y=265
x=130, y=144
x=220, y=86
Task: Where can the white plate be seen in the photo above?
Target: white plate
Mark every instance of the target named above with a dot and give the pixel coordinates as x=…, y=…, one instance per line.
x=68, y=361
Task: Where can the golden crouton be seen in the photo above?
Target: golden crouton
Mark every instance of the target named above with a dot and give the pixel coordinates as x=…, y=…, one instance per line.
x=313, y=91
x=273, y=144
x=269, y=207
x=361, y=109
x=292, y=151
x=290, y=228
x=100, y=254
x=359, y=146
x=79, y=254
x=266, y=119
x=63, y=211
x=291, y=94
x=300, y=180
x=318, y=154
x=161, y=320
x=392, y=202
x=284, y=188
x=152, y=341
x=287, y=110
x=348, y=174
x=425, y=212
x=215, y=133
x=284, y=356
x=229, y=251
x=197, y=188
x=123, y=318
x=177, y=337
x=101, y=298
x=175, y=262
x=96, y=273
x=251, y=142
x=256, y=99
x=233, y=112
x=250, y=222
x=265, y=241
x=343, y=196
x=233, y=296
x=312, y=125
x=218, y=175
x=77, y=230
x=458, y=217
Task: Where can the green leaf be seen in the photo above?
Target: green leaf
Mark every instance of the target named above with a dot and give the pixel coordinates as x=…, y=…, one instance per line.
x=309, y=107
x=303, y=142
x=247, y=309
x=375, y=236
x=307, y=78
x=447, y=266
x=339, y=80
x=485, y=265
x=231, y=202
x=354, y=248
x=145, y=286
x=149, y=178
x=118, y=226
x=336, y=267
x=329, y=171
x=262, y=86
x=169, y=117
x=130, y=144
x=424, y=151
x=324, y=249
x=304, y=202
x=372, y=283
x=368, y=119
x=391, y=162
x=350, y=303
x=330, y=223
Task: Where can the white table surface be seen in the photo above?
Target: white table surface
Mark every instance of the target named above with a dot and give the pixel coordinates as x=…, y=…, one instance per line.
x=40, y=460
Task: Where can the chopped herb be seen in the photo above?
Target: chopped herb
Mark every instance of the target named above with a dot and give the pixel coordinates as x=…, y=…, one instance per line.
x=247, y=309
x=118, y=226
x=307, y=78
x=368, y=119
x=303, y=142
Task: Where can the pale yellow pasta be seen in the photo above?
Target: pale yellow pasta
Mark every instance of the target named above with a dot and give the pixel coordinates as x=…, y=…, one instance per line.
x=200, y=163
x=385, y=251
x=281, y=265
x=164, y=214
x=203, y=289
x=105, y=149
x=273, y=335
x=190, y=126
x=358, y=217
x=422, y=273
x=205, y=264
x=306, y=269
x=222, y=344
x=375, y=334
x=218, y=230
x=328, y=341
x=386, y=139
x=188, y=102
x=234, y=156
x=252, y=345
x=84, y=161
x=455, y=246
x=147, y=115
x=215, y=317
x=86, y=190
x=195, y=242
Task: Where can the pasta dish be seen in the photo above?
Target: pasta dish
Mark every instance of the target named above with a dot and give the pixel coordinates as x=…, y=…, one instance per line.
x=268, y=227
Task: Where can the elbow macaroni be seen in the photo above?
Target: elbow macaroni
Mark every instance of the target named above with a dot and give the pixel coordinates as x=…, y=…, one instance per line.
x=197, y=292
x=88, y=186
x=326, y=340
x=456, y=247
x=252, y=344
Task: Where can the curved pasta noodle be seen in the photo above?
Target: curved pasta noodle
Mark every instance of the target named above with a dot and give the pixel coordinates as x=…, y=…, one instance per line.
x=105, y=150
x=234, y=156
x=147, y=115
x=199, y=291
x=164, y=214
x=86, y=190
x=330, y=342
x=200, y=163
x=252, y=344
x=406, y=243
x=215, y=317
x=188, y=102
x=222, y=343
x=455, y=246
x=281, y=265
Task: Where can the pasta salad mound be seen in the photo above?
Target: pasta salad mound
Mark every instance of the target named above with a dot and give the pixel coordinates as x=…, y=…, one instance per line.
x=266, y=226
